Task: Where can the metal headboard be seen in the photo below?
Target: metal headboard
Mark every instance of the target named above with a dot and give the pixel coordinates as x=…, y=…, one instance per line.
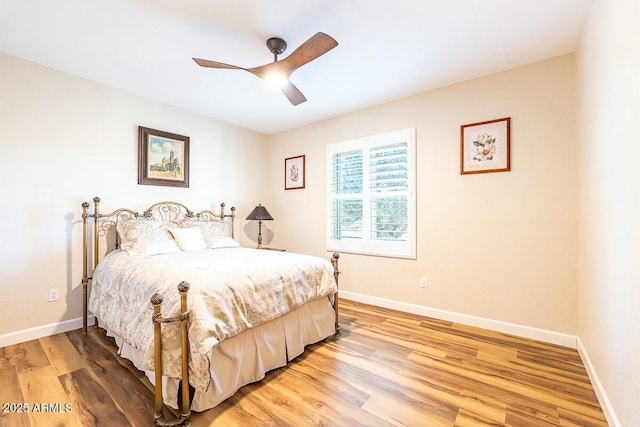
x=104, y=226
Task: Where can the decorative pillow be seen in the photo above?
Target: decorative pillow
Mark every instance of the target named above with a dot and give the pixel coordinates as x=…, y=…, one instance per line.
x=220, y=242
x=157, y=247
x=189, y=238
x=143, y=237
x=210, y=229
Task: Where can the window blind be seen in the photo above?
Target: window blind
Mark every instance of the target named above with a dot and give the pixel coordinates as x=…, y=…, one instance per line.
x=370, y=194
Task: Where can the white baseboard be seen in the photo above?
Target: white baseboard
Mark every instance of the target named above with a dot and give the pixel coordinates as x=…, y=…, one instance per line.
x=480, y=322
x=42, y=331
x=605, y=403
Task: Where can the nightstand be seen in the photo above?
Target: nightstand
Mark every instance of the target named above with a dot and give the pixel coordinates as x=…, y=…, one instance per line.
x=274, y=249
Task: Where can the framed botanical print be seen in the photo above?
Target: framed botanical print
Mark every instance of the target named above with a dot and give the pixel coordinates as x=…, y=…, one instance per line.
x=485, y=146
x=163, y=158
x=294, y=173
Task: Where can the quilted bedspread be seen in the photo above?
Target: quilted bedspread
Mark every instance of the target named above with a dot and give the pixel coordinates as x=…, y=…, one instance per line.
x=232, y=290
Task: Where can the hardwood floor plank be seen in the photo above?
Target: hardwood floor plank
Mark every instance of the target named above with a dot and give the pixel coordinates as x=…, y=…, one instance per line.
x=570, y=418
x=100, y=352
x=563, y=364
x=275, y=404
x=311, y=397
x=134, y=398
x=400, y=411
x=519, y=419
x=239, y=410
x=62, y=354
x=497, y=354
x=375, y=378
x=26, y=356
x=491, y=386
x=97, y=357
x=49, y=404
x=469, y=419
x=13, y=414
x=327, y=380
x=4, y=358
x=91, y=401
x=390, y=337
x=430, y=384
x=308, y=401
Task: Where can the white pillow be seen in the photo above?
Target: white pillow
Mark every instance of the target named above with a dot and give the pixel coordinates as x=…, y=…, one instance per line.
x=210, y=229
x=223, y=242
x=144, y=237
x=158, y=247
x=189, y=239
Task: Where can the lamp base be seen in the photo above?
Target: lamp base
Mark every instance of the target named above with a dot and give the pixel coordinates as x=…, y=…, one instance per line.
x=259, y=235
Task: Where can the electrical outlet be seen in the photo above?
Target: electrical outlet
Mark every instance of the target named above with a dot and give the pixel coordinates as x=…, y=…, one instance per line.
x=53, y=295
x=423, y=283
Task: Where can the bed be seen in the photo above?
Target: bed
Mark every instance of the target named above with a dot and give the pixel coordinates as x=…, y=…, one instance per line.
x=237, y=313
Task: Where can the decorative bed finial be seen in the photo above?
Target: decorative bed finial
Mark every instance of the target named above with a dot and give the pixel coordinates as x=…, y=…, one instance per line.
x=183, y=286
x=156, y=299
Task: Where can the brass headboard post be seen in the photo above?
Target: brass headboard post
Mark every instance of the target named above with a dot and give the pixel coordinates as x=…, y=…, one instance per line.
x=156, y=300
x=232, y=215
x=96, y=217
x=85, y=261
x=233, y=221
x=336, y=274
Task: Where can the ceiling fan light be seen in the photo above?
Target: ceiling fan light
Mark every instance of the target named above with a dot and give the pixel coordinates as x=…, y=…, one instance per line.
x=276, y=80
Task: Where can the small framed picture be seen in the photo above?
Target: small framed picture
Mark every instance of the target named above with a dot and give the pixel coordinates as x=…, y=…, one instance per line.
x=294, y=173
x=163, y=158
x=485, y=146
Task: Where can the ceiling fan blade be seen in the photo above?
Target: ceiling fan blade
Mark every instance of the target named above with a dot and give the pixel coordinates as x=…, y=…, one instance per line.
x=316, y=46
x=293, y=94
x=215, y=64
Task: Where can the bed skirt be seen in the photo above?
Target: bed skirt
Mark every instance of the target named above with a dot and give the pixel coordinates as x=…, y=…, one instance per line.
x=246, y=358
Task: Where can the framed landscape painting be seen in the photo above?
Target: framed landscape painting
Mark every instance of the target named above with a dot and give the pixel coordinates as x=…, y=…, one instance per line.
x=163, y=158
x=485, y=146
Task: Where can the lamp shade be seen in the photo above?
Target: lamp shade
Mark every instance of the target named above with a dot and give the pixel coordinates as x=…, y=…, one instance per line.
x=259, y=213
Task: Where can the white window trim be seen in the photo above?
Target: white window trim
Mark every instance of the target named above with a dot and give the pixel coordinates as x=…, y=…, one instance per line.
x=367, y=246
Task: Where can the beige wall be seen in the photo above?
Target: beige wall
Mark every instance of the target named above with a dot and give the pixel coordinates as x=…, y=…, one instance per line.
x=64, y=140
x=608, y=76
x=500, y=245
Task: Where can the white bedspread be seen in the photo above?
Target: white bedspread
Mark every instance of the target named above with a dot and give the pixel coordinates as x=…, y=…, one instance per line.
x=231, y=290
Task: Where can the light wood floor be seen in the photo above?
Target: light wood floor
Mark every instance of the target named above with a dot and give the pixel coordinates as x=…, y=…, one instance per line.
x=386, y=368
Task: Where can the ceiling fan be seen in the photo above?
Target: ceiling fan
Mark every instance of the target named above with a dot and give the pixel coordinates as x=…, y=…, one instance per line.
x=316, y=46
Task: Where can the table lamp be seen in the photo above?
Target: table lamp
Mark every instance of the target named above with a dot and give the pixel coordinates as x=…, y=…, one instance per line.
x=259, y=213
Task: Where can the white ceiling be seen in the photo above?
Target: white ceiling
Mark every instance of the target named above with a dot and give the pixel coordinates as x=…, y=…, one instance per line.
x=387, y=49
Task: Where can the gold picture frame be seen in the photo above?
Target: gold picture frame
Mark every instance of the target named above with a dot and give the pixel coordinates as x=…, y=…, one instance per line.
x=294, y=173
x=163, y=158
x=485, y=146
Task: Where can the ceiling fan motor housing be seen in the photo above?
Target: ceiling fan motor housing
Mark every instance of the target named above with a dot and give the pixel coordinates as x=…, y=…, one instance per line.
x=276, y=45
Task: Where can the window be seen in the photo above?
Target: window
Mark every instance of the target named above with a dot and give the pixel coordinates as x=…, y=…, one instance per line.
x=371, y=195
